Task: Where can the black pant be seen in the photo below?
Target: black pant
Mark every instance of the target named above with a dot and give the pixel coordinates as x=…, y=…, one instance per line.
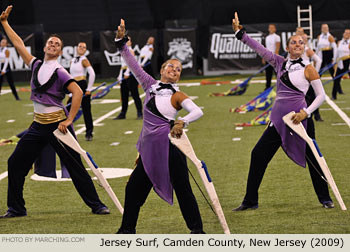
x=130, y=85
x=9, y=78
x=262, y=154
x=148, y=68
x=327, y=57
x=86, y=107
x=336, y=84
x=28, y=149
x=139, y=186
x=268, y=73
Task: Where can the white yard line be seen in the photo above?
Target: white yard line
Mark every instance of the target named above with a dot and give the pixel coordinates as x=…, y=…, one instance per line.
x=338, y=110
x=100, y=119
x=3, y=175
x=5, y=91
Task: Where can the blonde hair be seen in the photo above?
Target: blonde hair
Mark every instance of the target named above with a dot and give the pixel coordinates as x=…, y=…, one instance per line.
x=166, y=62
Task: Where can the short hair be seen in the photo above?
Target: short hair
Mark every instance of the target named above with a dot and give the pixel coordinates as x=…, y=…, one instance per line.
x=166, y=62
x=55, y=35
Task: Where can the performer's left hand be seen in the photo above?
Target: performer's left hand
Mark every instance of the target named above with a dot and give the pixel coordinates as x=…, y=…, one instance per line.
x=63, y=125
x=5, y=14
x=176, y=131
x=298, y=117
x=87, y=93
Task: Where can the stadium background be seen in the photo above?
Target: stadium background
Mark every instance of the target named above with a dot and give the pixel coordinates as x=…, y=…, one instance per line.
x=196, y=21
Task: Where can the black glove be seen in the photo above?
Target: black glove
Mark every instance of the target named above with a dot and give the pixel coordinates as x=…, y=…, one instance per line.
x=239, y=35
x=120, y=43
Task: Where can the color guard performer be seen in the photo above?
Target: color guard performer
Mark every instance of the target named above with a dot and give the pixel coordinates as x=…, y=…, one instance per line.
x=273, y=43
x=49, y=83
x=5, y=69
x=79, y=68
x=343, y=55
x=294, y=77
x=160, y=164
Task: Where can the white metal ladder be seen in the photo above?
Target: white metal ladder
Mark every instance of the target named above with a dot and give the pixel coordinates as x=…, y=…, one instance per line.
x=305, y=21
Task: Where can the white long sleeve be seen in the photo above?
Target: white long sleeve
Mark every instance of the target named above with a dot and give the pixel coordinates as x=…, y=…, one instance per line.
x=194, y=112
x=92, y=76
x=334, y=46
x=320, y=96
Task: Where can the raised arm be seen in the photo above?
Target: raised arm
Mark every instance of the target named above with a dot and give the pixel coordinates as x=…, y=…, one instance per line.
x=17, y=42
x=267, y=55
x=142, y=77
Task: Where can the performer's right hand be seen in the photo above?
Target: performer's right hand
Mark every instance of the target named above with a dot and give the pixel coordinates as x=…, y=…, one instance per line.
x=121, y=30
x=177, y=129
x=5, y=14
x=235, y=23
x=62, y=126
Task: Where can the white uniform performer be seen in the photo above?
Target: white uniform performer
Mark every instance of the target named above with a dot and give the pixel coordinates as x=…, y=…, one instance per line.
x=79, y=68
x=343, y=57
x=5, y=69
x=326, y=48
x=272, y=43
x=146, y=56
x=79, y=72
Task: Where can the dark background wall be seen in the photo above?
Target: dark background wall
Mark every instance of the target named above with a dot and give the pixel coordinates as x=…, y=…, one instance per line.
x=77, y=15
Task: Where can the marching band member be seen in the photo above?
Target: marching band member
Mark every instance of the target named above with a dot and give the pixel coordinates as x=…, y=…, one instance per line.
x=343, y=54
x=160, y=164
x=79, y=68
x=5, y=69
x=49, y=84
x=294, y=77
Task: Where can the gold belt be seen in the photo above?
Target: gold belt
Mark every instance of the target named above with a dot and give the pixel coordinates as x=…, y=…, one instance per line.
x=344, y=58
x=79, y=78
x=326, y=48
x=47, y=118
x=124, y=67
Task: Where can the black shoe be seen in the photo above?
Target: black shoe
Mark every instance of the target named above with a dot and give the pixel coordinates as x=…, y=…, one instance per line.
x=197, y=231
x=341, y=92
x=11, y=215
x=328, y=204
x=243, y=207
x=333, y=98
x=102, y=210
x=120, y=117
x=139, y=117
x=88, y=138
x=124, y=231
x=319, y=119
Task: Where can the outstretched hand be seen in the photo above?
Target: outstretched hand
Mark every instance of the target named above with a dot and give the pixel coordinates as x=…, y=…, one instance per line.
x=121, y=30
x=5, y=14
x=235, y=23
